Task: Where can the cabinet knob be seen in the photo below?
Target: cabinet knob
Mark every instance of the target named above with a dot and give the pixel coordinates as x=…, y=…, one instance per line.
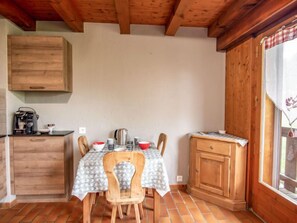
x=210, y=147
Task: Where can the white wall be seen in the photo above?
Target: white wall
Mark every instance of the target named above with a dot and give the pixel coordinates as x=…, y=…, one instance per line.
x=146, y=82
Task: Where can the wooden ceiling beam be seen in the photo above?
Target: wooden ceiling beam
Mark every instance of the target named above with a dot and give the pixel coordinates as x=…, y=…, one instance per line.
x=123, y=14
x=236, y=11
x=263, y=15
x=177, y=16
x=11, y=11
x=69, y=14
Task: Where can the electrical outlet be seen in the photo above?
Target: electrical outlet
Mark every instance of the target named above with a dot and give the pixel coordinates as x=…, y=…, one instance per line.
x=179, y=178
x=82, y=130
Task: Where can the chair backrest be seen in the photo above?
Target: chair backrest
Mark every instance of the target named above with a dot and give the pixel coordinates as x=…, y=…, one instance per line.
x=83, y=145
x=161, y=146
x=110, y=160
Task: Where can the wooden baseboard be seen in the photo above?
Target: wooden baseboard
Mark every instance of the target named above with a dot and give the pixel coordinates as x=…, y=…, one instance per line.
x=8, y=204
x=182, y=187
x=41, y=198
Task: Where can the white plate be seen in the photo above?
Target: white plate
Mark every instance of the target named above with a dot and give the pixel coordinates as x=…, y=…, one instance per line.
x=119, y=149
x=43, y=130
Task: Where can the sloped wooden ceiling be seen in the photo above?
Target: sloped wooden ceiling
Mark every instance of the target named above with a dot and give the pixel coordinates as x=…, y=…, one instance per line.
x=230, y=21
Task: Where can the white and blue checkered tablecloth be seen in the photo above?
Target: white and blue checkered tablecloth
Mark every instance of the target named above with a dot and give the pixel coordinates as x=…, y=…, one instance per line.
x=90, y=176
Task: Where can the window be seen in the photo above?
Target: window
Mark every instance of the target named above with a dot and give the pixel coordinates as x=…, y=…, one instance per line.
x=278, y=168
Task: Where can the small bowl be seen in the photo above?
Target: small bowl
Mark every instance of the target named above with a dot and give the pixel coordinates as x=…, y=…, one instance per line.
x=98, y=146
x=144, y=145
x=222, y=131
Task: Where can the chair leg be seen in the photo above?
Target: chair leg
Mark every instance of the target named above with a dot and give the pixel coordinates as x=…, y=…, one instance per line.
x=141, y=210
x=128, y=210
x=137, y=213
x=113, y=214
x=93, y=198
x=120, y=212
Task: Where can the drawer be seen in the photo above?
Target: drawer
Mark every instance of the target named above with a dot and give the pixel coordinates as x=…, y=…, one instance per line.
x=213, y=146
x=38, y=144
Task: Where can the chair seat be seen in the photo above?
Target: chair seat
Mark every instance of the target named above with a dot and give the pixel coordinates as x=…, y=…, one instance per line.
x=126, y=198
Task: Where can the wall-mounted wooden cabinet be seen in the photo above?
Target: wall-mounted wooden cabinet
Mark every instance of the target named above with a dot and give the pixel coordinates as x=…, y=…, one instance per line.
x=39, y=63
x=3, y=190
x=218, y=172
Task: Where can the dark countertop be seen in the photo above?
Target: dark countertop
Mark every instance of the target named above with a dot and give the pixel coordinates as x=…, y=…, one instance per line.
x=54, y=133
x=1, y=136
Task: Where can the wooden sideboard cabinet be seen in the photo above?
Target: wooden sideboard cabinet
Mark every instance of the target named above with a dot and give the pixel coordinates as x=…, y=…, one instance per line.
x=39, y=63
x=41, y=167
x=3, y=190
x=218, y=171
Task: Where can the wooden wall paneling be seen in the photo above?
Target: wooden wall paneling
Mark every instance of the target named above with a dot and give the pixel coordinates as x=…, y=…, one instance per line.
x=177, y=16
x=269, y=142
x=18, y=16
x=263, y=15
x=3, y=190
x=267, y=203
x=69, y=14
x=238, y=99
x=234, y=13
x=238, y=83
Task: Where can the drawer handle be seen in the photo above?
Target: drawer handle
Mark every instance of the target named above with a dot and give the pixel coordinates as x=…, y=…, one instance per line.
x=210, y=147
x=37, y=140
x=37, y=87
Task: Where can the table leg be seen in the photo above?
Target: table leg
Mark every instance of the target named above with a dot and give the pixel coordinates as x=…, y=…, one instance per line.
x=87, y=209
x=156, y=206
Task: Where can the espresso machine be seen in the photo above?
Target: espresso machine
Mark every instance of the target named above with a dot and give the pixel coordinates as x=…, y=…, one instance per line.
x=25, y=121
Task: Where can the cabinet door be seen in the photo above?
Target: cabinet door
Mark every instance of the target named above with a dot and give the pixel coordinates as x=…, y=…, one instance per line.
x=37, y=63
x=213, y=173
x=2, y=169
x=38, y=165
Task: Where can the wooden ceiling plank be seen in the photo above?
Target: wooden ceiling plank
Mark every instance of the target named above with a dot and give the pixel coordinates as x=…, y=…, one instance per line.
x=177, y=16
x=262, y=16
x=11, y=11
x=236, y=11
x=69, y=14
x=123, y=14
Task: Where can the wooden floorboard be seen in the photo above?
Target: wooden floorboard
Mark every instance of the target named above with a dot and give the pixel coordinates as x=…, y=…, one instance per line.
x=176, y=207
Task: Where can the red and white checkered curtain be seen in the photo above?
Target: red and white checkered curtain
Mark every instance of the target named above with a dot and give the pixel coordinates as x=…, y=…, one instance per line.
x=281, y=71
x=281, y=36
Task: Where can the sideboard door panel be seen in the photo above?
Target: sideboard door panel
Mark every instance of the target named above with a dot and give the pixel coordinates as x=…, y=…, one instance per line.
x=213, y=173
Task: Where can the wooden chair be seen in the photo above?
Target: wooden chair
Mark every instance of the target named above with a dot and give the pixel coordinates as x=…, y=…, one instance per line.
x=114, y=195
x=83, y=145
x=161, y=146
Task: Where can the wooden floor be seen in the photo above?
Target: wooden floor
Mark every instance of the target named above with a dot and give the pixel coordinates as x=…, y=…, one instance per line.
x=176, y=207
